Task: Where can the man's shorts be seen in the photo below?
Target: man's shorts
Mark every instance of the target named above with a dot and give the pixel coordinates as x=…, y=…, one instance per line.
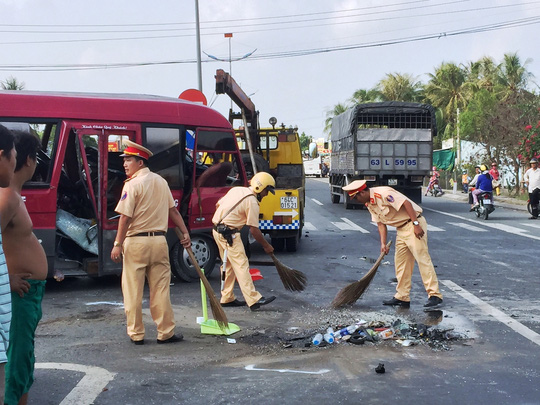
x=26, y=314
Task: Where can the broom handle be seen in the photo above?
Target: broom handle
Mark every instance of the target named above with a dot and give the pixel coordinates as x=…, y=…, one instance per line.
x=381, y=256
x=193, y=259
x=223, y=268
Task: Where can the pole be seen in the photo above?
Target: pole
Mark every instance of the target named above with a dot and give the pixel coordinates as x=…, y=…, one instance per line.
x=248, y=140
x=230, y=35
x=458, y=143
x=198, y=29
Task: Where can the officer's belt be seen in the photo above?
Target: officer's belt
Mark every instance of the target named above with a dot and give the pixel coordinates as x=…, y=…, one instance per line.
x=406, y=222
x=154, y=233
x=219, y=229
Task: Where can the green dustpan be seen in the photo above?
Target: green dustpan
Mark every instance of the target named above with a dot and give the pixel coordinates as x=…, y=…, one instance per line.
x=210, y=326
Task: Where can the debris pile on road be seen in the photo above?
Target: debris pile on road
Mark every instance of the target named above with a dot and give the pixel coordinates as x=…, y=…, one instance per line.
x=398, y=332
x=329, y=328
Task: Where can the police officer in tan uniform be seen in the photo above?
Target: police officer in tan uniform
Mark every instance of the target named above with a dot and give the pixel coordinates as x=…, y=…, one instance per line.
x=145, y=207
x=389, y=207
x=239, y=207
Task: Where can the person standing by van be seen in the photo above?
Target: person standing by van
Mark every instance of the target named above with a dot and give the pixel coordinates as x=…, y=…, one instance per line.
x=7, y=168
x=532, y=179
x=145, y=207
x=27, y=264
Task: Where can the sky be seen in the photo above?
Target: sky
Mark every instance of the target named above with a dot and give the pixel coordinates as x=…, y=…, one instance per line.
x=305, y=55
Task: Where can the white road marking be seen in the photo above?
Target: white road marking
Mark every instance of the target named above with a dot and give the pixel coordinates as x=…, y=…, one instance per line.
x=116, y=304
x=494, y=312
x=90, y=386
x=467, y=227
x=531, y=224
x=493, y=225
x=317, y=201
x=430, y=228
x=348, y=225
x=251, y=367
x=308, y=226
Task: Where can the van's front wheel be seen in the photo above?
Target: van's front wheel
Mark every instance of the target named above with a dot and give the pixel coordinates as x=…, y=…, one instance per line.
x=205, y=252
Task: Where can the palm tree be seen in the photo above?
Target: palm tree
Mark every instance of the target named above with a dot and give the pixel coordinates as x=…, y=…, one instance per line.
x=12, y=84
x=512, y=75
x=361, y=96
x=338, y=109
x=400, y=87
x=447, y=90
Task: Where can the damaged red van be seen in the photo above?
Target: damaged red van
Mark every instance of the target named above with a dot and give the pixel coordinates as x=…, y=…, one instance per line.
x=79, y=175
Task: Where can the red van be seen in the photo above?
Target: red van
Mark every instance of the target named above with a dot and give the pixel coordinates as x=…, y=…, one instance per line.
x=79, y=175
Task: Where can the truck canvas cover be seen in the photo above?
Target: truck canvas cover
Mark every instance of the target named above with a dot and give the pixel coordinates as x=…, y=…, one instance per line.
x=347, y=123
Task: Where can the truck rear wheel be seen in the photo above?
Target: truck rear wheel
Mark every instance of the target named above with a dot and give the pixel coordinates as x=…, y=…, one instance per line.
x=348, y=204
x=278, y=244
x=292, y=243
x=205, y=252
x=335, y=198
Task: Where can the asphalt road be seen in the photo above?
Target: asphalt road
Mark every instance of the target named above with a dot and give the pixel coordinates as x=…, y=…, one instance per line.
x=488, y=276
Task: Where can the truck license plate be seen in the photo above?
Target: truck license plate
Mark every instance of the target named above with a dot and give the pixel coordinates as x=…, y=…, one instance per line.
x=289, y=202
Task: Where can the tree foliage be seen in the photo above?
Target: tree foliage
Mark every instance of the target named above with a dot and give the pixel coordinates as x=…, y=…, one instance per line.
x=490, y=102
x=11, y=83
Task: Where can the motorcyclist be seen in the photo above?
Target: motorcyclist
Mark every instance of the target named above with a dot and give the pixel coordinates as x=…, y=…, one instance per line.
x=483, y=184
x=472, y=183
x=433, y=185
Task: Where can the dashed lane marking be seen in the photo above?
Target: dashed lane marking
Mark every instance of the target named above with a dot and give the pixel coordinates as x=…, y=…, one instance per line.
x=90, y=386
x=430, y=228
x=531, y=224
x=308, y=226
x=348, y=225
x=493, y=225
x=467, y=227
x=317, y=201
x=494, y=312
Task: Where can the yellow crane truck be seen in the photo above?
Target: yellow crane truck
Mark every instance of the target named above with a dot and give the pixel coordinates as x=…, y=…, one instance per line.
x=275, y=150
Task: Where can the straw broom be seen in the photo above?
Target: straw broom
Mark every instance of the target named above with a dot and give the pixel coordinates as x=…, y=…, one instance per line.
x=215, y=306
x=351, y=293
x=293, y=280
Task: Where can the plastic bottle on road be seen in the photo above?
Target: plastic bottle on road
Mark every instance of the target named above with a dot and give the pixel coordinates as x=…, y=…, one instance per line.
x=317, y=339
x=329, y=335
x=346, y=331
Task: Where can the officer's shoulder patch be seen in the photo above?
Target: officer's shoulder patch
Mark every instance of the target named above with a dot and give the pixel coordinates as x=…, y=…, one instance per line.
x=390, y=199
x=377, y=195
x=124, y=196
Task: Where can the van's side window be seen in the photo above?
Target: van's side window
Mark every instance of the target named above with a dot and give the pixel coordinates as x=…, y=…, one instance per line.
x=165, y=144
x=47, y=134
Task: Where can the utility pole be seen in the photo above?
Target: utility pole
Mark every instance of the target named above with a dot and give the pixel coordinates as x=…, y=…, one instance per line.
x=198, y=28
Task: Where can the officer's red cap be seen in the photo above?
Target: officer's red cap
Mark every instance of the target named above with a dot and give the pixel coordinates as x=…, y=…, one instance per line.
x=134, y=149
x=355, y=187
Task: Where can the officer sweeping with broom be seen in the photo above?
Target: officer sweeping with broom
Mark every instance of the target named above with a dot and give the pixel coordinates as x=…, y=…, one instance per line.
x=389, y=207
x=239, y=207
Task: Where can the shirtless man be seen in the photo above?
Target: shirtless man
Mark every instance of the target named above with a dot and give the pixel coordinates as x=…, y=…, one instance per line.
x=27, y=267
x=7, y=167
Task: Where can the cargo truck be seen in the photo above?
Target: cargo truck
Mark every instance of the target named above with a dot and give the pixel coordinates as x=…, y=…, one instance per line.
x=386, y=144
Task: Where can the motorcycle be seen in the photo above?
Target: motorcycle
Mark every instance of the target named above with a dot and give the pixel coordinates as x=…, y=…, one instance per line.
x=434, y=189
x=485, y=205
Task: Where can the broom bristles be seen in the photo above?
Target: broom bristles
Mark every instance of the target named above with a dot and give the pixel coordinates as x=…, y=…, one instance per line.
x=217, y=310
x=292, y=280
x=350, y=294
